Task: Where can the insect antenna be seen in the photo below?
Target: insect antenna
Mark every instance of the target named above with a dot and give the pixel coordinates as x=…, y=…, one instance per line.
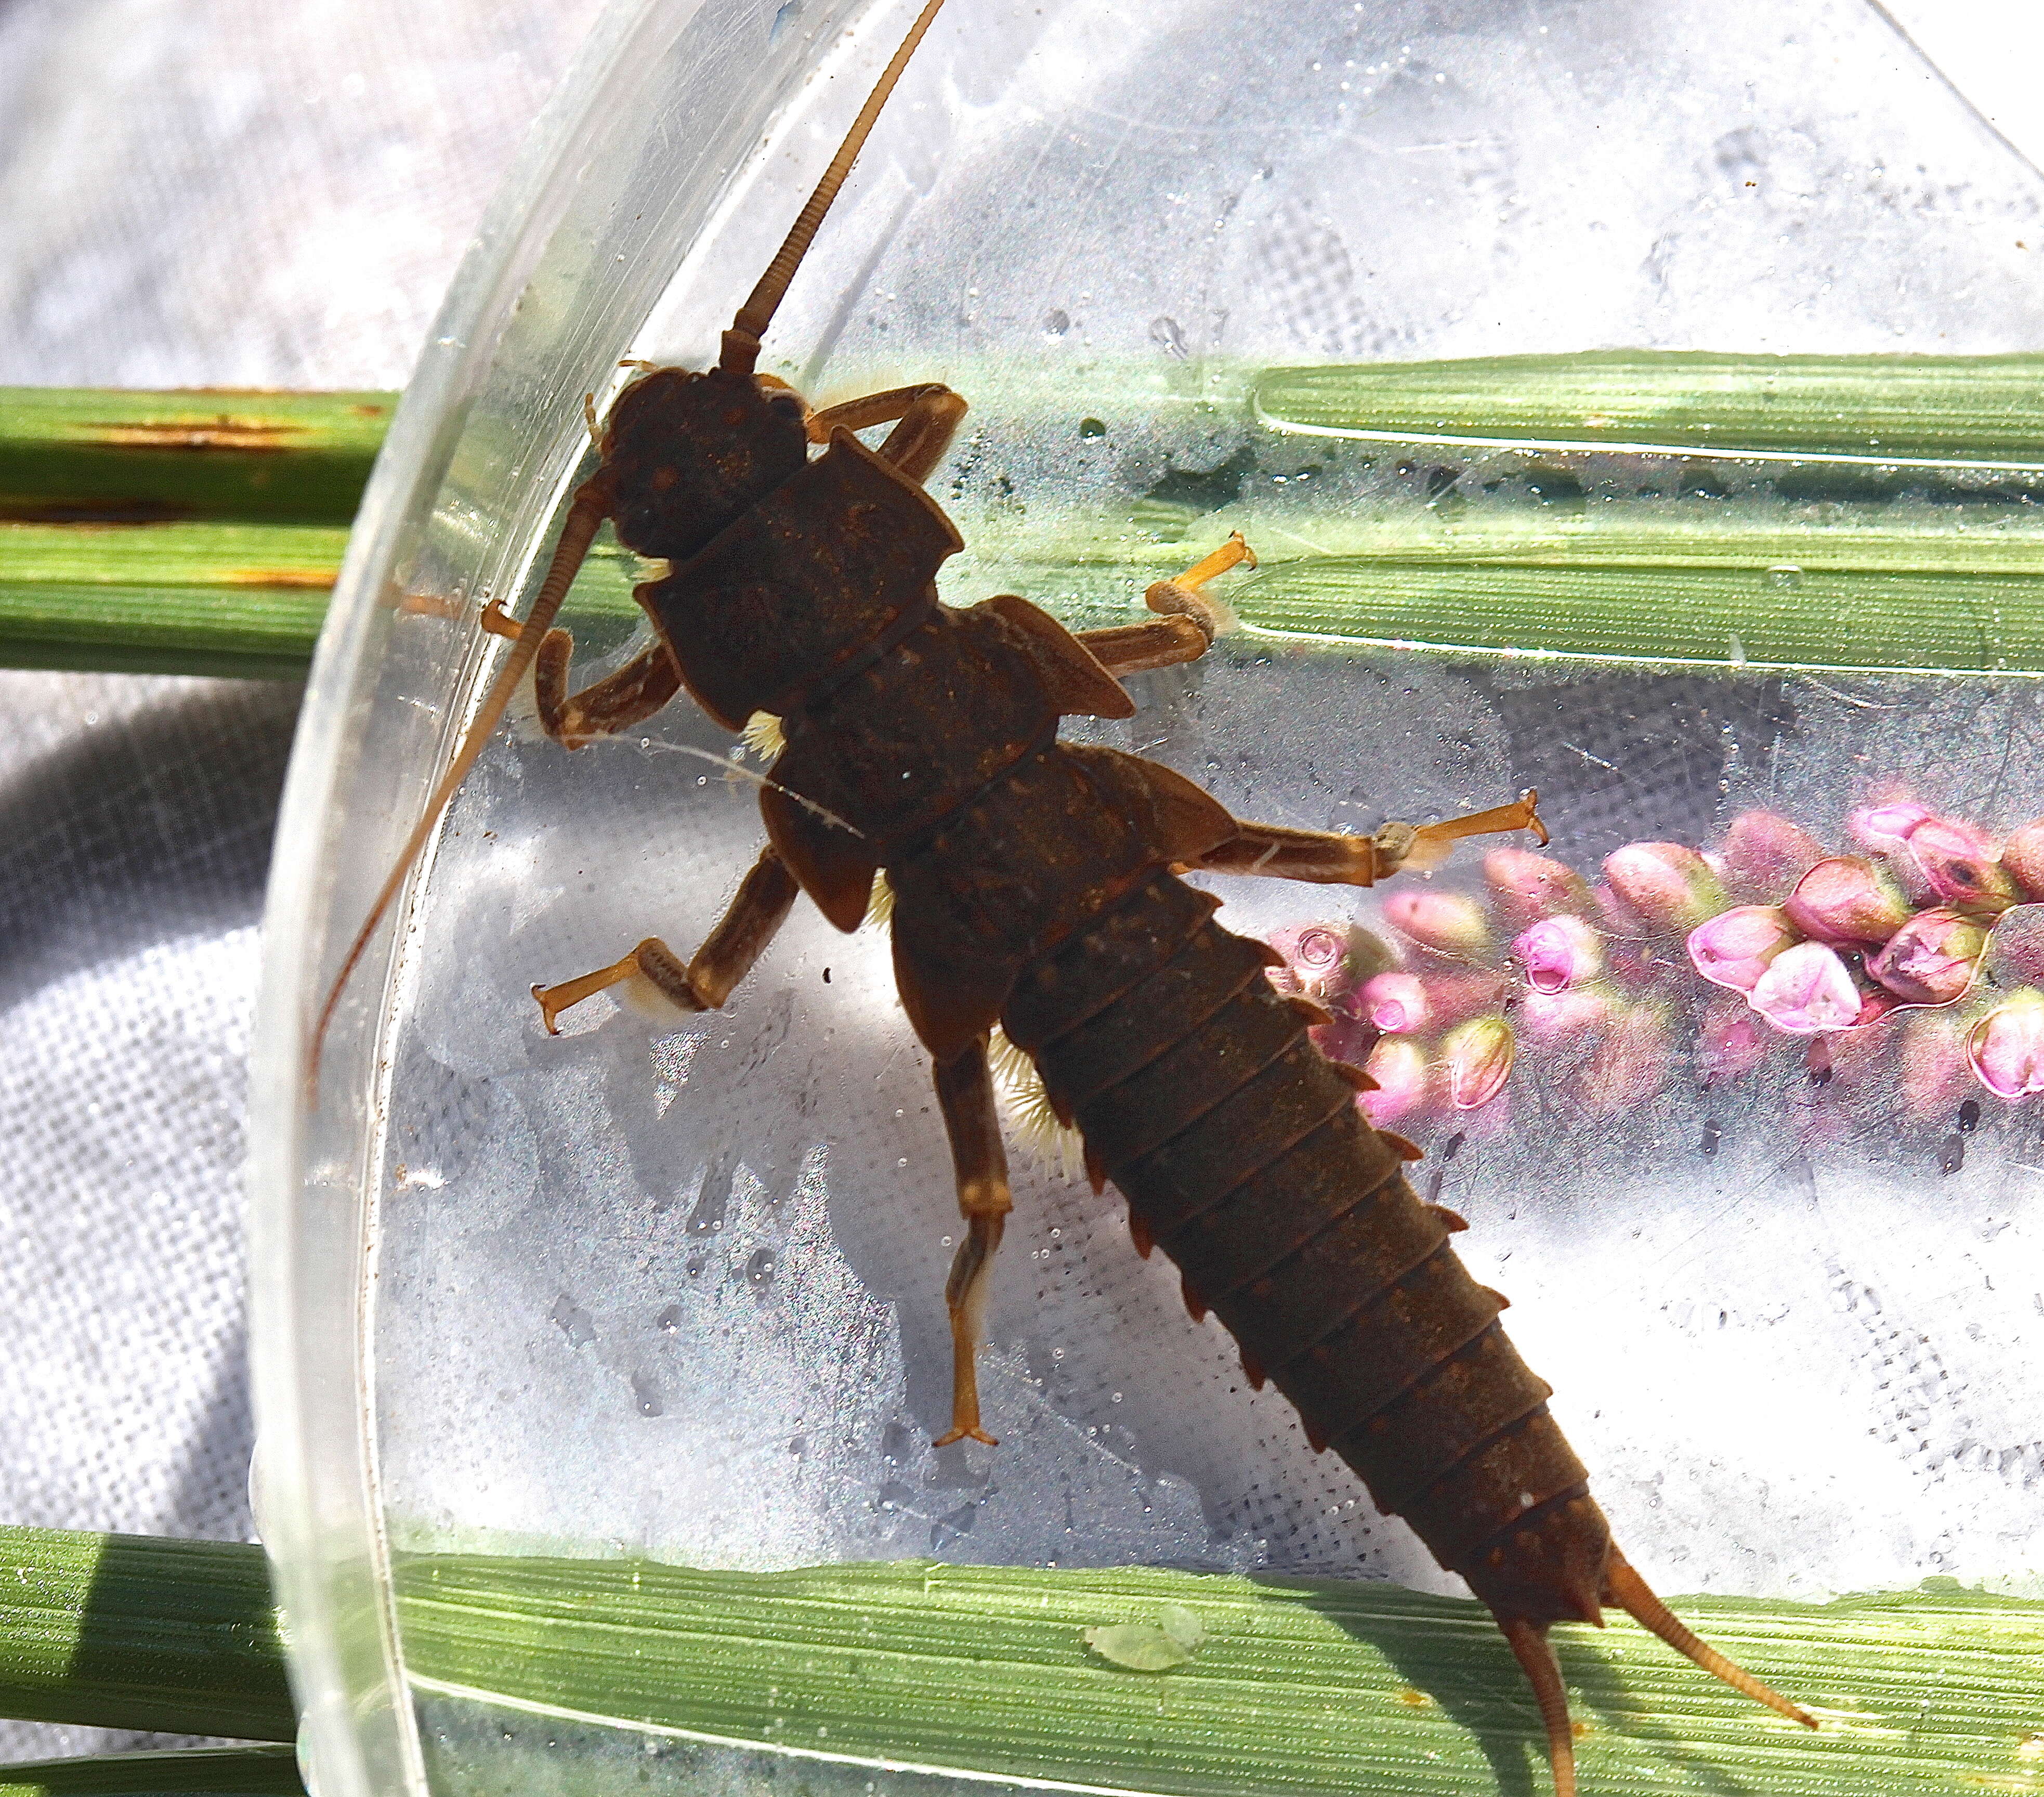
x=591, y=506
x=1531, y=1647
x=1624, y=1588
x=741, y=342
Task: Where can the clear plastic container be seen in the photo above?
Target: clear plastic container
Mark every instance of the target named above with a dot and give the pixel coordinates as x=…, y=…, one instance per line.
x=677, y=1293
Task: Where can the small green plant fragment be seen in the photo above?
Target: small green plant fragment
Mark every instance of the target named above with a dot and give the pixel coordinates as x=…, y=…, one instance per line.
x=1146, y=1647
x=1183, y=1626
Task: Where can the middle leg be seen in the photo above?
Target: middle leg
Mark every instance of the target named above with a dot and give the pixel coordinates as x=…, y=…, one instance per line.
x=1189, y=621
x=965, y=1094
x=704, y=982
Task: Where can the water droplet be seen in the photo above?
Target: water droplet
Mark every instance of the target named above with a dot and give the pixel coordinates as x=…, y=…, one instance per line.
x=1056, y=323
x=759, y=1269
x=1092, y=429
x=1786, y=576
x=1969, y=1116
x=647, y=1395
x=669, y=1320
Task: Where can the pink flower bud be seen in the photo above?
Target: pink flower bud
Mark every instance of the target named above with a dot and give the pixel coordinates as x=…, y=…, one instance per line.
x=1885, y=828
x=1558, y=953
x=1847, y=898
x=1447, y=922
x=2006, y=1048
x=1766, y=852
x=1347, y=1038
x=1931, y=1064
x=1959, y=866
x=1670, y=887
x=2024, y=855
x=1631, y=1064
x=1396, y=1003
x=1527, y=887
x=1552, y=1017
x=1932, y=958
x=1733, y=1041
x=1612, y=914
x=1399, y=1066
x=1875, y=1003
x=1317, y=962
x=1805, y=990
x=1478, y=1057
x=1734, y=948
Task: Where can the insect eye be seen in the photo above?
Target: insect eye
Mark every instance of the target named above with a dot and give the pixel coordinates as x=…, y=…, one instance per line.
x=786, y=404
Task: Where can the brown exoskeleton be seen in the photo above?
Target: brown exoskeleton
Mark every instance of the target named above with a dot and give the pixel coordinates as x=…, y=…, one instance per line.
x=1035, y=886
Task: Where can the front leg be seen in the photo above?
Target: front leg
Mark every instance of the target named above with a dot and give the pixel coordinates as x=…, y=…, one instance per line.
x=965, y=1094
x=928, y=413
x=628, y=696
x=1327, y=858
x=726, y=956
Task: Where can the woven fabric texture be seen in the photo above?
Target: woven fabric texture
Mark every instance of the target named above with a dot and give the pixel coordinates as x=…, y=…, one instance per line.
x=198, y=193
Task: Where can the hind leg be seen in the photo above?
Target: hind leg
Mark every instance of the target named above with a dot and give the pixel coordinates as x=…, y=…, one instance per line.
x=1328, y=858
x=965, y=1094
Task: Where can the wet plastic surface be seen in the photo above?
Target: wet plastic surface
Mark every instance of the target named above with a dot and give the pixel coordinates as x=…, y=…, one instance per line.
x=646, y=1290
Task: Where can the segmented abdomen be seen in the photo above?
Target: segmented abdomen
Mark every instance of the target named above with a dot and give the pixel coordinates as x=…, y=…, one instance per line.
x=1241, y=1151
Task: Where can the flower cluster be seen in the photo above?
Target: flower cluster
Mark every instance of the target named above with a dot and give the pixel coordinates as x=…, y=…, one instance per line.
x=1796, y=942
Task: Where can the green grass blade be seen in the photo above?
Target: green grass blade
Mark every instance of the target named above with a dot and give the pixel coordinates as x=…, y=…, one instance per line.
x=211, y=596
x=1968, y=408
x=130, y=1632
x=119, y=549
x=84, y=454
x=1817, y=618
x=190, y=532
x=1298, y=1685
x=222, y=1771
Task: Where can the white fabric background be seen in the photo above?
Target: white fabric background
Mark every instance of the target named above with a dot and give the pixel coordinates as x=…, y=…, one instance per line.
x=237, y=192
x=193, y=192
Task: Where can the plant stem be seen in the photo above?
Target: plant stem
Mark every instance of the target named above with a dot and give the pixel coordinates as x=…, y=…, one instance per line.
x=132, y=1632
x=222, y=1771
x=1302, y=1685
x=1976, y=408
x=200, y=532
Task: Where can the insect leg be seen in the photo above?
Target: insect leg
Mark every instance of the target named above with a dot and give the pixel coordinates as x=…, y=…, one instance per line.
x=628, y=696
x=928, y=413
x=965, y=1094
x=873, y=409
x=1327, y=858
x=725, y=958
x=917, y=443
x=1190, y=620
